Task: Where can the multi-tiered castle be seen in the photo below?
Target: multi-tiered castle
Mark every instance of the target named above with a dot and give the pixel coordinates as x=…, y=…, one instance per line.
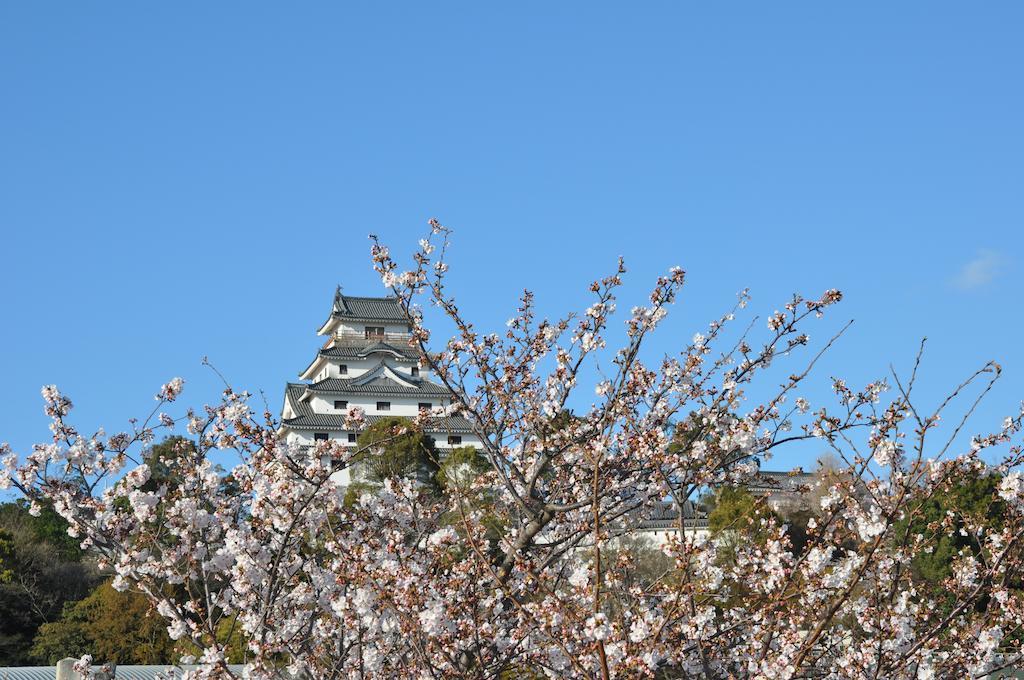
x=367, y=362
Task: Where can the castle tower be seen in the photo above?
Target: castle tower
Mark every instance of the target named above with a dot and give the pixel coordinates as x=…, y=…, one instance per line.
x=367, y=362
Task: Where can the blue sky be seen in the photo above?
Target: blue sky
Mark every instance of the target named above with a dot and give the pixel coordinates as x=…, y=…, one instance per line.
x=190, y=179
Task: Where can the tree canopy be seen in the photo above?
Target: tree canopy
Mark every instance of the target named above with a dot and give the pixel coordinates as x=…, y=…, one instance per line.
x=111, y=626
x=43, y=568
x=948, y=523
x=394, y=448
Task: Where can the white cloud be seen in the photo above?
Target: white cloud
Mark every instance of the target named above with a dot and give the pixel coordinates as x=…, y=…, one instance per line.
x=980, y=270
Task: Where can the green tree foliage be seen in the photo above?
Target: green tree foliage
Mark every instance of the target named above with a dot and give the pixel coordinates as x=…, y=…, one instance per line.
x=944, y=522
x=737, y=510
x=458, y=471
x=394, y=448
x=235, y=645
x=111, y=626
x=48, y=527
x=6, y=556
x=45, y=569
x=355, y=491
x=460, y=467
x=163, y=460
x=738, y=518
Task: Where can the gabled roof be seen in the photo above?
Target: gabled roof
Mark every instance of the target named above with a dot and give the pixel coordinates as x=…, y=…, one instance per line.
x=383, y=308
x=665, y=515
x=293, y=394
x=308, y=420
x=345, y=351
x=362, y=351
x=336, y=421
x=352, y=308
x=384, y=369
x=378, y=385
x=779, y=481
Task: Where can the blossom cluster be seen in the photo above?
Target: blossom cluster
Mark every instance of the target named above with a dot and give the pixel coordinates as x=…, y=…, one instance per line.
x=520, y=572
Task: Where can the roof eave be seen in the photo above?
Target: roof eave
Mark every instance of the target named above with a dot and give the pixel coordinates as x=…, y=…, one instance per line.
x=429, y=429
x=372, y=319
x=386, y=349
x=324, y=330
x=379, y=392
x=307, y=373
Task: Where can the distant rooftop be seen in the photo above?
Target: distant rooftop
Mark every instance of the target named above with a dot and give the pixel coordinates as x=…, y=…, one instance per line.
x=780, y=481
x=665, y=515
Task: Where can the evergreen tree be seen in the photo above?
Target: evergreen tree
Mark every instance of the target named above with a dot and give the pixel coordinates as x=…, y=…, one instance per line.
x=393, y=448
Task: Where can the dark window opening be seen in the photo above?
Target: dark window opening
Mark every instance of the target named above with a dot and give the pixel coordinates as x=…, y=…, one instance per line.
x=352, y=437
x=342, y=369
x=383, y=405
x=415, y=370
x=374, y=332
x=454, y=439
x=424, y=406
x=319, y=436
x=340, y=405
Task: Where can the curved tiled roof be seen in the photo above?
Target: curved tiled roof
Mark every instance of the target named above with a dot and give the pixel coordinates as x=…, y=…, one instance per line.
x=666, y=516
x=308, y=420
x=362, y=351
x=380, y=385
x=336, y=421
x=294, y=391
x=365, y=309
x=382, y=308
x=779, y=481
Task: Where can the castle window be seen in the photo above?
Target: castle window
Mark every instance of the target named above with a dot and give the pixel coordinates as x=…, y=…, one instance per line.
x=383, y=405
x=424, y=406
x=454, y=440
x=415, y=370
x=374, y=332
x=340, y=405
x=352, y=437
x=319, y=436
x=342, y=369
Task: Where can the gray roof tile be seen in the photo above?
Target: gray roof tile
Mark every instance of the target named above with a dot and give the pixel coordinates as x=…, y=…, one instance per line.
x=382, y=308
x=336, y=421
x=307, y=419
x=359, y=351
x=665, y=515
x=378, y=386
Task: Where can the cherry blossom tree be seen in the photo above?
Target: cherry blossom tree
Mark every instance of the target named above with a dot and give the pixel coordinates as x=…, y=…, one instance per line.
x=517, y=573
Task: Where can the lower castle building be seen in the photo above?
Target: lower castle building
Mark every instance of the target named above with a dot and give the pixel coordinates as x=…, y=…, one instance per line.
x=366, y=362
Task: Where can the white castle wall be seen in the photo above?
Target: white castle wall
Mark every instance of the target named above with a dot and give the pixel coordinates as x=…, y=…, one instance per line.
x=356, y=367
x=306, y=438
